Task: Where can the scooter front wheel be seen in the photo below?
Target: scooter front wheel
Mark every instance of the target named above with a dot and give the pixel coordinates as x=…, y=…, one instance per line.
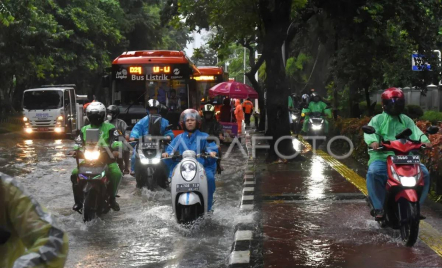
x=188, y=214
x=90, y=206
x=409, y=224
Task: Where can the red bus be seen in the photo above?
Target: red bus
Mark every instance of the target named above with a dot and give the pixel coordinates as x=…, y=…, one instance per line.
x=209, y=76
x=164, y=75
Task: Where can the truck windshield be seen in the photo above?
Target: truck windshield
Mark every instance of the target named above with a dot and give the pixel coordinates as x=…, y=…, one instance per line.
x=38, y=100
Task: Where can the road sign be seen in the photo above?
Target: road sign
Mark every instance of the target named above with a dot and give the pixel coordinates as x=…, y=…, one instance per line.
x=419, y=62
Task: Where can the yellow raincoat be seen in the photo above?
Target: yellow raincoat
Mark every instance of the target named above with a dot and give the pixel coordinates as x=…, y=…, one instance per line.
x=33, y=241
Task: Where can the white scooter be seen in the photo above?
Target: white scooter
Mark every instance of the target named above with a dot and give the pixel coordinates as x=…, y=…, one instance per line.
x=189, y=188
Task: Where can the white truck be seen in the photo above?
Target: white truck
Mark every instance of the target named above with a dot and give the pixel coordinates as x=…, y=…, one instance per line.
x=52, y=109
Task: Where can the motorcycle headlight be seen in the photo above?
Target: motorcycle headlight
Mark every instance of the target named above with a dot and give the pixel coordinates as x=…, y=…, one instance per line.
x=310, y=121
x=322, y=121
x=316, y=127
x=408, y=181
x=91, y=155
x=294, y=117
x=395, y=175
x=188, y=170
x=155, y=161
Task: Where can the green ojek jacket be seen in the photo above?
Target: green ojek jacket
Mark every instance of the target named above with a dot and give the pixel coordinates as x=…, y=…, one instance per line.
x=388, y=127
x=109, y=136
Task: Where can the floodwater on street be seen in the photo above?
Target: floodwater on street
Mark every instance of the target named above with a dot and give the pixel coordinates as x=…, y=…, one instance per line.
x=144, y=233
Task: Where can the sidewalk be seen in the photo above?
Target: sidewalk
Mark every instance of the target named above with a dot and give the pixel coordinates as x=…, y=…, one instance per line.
x=311, y=215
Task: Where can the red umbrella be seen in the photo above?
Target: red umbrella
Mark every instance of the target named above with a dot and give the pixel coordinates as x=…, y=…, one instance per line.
x=233, y=89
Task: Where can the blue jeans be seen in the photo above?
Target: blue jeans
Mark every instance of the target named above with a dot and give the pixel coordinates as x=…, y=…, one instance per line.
x=377, y=179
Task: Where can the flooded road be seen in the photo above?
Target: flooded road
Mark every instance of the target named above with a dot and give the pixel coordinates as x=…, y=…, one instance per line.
x=312, y=216
x=144, y=233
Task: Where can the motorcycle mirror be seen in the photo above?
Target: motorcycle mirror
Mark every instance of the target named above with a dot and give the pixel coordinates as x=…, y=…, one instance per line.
x=432, y=130
x=404, y=134
x=368, y=130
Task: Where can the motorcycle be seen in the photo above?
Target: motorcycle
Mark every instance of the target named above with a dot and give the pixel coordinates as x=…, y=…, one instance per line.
x=405, y=184
x=316, y=128
x=92, y=177
x=189, y=187
x=149, y=170
x=296, y=121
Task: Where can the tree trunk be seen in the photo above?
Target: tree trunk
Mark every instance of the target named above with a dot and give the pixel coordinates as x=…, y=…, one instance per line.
x=276, y=19
x=367, y=99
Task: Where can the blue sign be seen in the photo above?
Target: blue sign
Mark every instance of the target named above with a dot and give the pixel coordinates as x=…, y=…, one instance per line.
x=418, y=63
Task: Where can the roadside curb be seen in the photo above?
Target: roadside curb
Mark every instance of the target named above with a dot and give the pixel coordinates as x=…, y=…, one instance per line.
x=245, y=233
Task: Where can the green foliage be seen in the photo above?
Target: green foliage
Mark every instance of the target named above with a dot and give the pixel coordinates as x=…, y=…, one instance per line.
x=47, y=41
x=294, y=65
x=432, y=116
x=413, y=111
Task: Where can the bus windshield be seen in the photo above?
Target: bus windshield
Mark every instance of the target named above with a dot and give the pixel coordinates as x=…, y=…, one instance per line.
x=45, y=99
x=171, y=93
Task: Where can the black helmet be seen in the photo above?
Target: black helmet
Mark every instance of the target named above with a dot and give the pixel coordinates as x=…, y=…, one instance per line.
x=208, y=108
x=315, y=97
x=153, y=104
x=113, y=111
x=96, y=112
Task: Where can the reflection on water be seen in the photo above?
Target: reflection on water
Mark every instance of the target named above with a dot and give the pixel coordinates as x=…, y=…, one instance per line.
x=317, y=182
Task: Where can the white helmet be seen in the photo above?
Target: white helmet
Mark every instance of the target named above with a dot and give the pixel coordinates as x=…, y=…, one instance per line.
x=96, y=113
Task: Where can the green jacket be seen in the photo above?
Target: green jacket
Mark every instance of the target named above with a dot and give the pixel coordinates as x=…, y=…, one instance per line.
x=109, y=136
x=389, y=126
x=317, y=107
x=34, y=241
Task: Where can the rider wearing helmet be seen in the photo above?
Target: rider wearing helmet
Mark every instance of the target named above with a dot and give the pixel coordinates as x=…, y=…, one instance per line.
x=316, y=105
x=195, y=140
x=110, y=138
x=211, y=126
x=142, y=127
x=112, y=117
x=388, y=124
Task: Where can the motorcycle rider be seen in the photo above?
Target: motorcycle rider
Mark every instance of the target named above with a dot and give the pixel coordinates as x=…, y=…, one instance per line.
x=190, y=121
x=142, y=128
x=28, y=236
x=211, y=126
x=315, y=106
x=110, y=138
x=388, y=124
x=112, y=117
x=239, y=114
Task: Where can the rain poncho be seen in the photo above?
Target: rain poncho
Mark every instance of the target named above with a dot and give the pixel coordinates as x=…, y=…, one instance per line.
x=185, y=142
x=239, y=114
x=34, y=241
x=315, y=107
x=389, y=126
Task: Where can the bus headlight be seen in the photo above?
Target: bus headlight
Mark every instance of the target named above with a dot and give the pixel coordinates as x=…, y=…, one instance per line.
x=91, y=155
x=25, y=119
x=60, y=118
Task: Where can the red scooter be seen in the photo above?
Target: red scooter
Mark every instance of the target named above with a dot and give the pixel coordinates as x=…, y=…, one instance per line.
x=404, y=185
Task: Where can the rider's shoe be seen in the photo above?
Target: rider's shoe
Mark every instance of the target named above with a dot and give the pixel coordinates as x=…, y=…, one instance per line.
x=378, y=214
x=114, y=205
x=77, y=207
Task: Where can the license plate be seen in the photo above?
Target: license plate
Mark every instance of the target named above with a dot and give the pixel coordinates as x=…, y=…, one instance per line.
x=42, y=129
x=149, y=145
x=187, y=187
x=405, y=159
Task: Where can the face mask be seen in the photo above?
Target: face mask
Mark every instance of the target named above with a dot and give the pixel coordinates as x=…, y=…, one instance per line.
x=109, y=117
